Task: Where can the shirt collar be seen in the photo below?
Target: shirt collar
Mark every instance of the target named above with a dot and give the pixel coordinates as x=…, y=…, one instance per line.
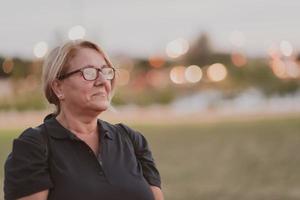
x=104, y=128
x=56, y=130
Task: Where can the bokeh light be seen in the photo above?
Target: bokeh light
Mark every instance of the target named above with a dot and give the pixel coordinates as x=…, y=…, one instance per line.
x=177, y=48
x=156, y=61
x=238, y=59
x=177, y=74
x=156, y=78
x=193, y=73
x=273, y=51
x=292, y=69
x=217, y=72
x=77, y=32
x=40, y=49
x=279, y=68
x=285, y=69
x=286, y=48
x=7, y=65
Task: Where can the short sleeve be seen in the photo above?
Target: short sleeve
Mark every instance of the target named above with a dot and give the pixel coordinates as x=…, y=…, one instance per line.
x=26, y=167
x=144, y=155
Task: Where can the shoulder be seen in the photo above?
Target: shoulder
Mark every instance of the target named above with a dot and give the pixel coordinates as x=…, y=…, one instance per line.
x=26, y=166
x=29, y=146
x=33, y=135
x=135, y=135
x=30, y=140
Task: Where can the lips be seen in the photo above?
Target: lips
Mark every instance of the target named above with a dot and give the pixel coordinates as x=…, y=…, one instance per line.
x=100, y=94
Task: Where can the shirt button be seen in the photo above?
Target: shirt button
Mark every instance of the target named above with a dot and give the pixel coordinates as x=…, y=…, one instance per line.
x=100, y=173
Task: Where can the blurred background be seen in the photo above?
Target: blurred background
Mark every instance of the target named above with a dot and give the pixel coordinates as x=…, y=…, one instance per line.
x=213, y=85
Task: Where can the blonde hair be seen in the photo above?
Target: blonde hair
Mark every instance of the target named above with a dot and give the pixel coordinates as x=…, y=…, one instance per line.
x=56, y=63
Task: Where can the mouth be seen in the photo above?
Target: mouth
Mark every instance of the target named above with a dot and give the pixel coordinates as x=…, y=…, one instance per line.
x=103, y=94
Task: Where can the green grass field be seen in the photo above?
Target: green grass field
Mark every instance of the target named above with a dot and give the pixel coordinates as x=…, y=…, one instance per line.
x=233, y=160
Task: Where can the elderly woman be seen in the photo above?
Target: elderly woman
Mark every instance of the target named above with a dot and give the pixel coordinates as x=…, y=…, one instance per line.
x=73, y=154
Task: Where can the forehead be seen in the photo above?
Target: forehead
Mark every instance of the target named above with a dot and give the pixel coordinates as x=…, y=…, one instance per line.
x=86, y=56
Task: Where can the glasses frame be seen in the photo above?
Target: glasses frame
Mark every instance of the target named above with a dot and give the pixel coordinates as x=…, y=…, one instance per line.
x=64, y=76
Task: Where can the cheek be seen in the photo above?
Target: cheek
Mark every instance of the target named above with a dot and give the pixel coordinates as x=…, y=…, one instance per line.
x=79, y=92
x=108, y=87
x=86, y=91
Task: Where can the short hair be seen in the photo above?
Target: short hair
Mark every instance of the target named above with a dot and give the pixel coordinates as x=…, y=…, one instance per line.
x=56, y=63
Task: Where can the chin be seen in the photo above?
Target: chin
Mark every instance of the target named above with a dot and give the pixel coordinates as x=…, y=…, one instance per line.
x=101, y=107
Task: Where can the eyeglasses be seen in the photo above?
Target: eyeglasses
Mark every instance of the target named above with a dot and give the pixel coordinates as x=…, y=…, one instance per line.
x=91, y=73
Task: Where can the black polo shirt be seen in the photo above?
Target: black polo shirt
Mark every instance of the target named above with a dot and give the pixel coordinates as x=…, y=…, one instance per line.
x=51, y=157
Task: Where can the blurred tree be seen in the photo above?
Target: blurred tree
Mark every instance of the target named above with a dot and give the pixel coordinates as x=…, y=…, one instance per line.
x=200, y=52
x=2, y=73
x=21, y=68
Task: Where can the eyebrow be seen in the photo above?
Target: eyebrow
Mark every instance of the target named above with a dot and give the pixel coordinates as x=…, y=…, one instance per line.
x=103, y=66
x=67, y=74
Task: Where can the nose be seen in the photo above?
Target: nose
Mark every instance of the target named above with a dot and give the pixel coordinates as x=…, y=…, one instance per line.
x=100, y=79
x=103, y=83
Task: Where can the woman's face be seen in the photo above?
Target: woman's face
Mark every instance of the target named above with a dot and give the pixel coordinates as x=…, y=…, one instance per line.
x=82, y=95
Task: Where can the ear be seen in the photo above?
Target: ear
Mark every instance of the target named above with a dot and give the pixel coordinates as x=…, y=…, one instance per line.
x=57, y=88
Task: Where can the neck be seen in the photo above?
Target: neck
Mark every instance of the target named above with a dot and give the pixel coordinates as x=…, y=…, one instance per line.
x=78, y=122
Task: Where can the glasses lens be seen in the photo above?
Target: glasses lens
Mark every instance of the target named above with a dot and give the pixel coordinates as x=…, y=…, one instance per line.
x=108, y=73
x=90, y=73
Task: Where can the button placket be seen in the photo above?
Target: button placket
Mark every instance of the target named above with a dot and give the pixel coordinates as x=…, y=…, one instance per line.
x=100, y=170
x=90, y=151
